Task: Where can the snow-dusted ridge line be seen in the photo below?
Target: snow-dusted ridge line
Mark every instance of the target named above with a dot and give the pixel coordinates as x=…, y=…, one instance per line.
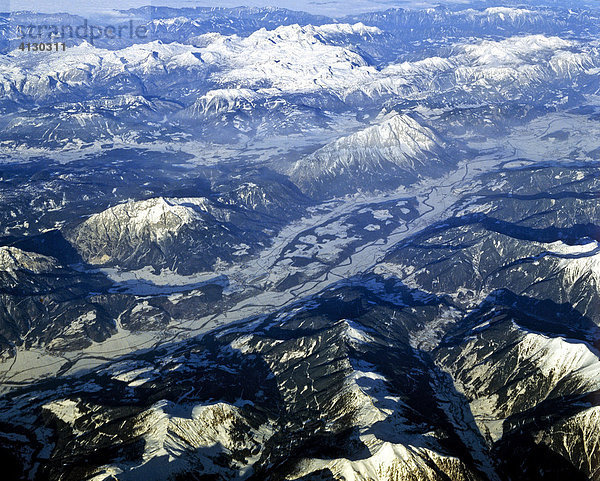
x=13, y=259
x=31, y=365
x=396, y=143
x=297, y=59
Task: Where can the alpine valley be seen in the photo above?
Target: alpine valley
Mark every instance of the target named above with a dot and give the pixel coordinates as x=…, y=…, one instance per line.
x=262, y=244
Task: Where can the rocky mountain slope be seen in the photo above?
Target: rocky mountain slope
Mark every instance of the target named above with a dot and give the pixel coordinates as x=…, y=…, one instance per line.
x=446, y=361
x=396, y=151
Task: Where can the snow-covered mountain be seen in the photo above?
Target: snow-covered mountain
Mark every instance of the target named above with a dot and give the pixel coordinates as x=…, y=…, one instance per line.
x=395, y=151
x=182, y=234
x=282, y=80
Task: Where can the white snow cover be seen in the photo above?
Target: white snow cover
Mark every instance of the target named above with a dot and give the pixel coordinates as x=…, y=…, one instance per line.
x=227, y=100
x=398, y=138
x=170, y=430
x=66, y=410
x=299, y=59
x=156, y=217
x=514, y=51
x=377, y=413
x=290, y=58
x=509, y=12
x=555, y=360
x=579, y=261
x=355, y=334
x=557, y=357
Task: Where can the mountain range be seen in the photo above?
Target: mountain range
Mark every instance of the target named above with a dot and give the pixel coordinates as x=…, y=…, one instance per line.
x=262, y=244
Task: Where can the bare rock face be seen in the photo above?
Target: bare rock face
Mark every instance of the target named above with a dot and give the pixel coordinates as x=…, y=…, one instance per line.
x=13, y=259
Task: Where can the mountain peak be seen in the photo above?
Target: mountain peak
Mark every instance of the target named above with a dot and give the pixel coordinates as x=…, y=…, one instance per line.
x=14, y=259
x=396, y=147
x=157, y=216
